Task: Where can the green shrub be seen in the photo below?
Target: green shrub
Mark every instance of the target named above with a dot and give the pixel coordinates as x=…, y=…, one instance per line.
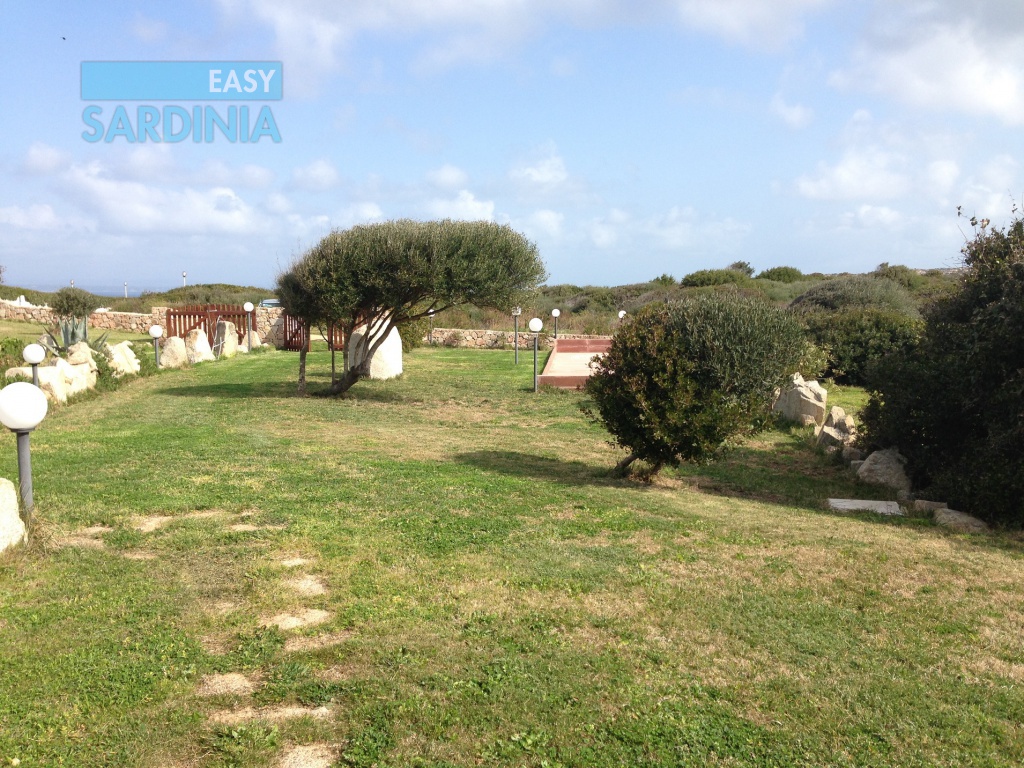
x=413, y=334
x=706, y=277
x=68, y=303
x=857, y=292
x=954, y=403
x=854, y=337
x=682, y=379
x=898, y=273
x=782, y=274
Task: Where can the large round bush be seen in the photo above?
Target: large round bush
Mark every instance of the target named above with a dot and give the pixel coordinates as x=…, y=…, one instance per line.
x=682, y=379
x=857, y=292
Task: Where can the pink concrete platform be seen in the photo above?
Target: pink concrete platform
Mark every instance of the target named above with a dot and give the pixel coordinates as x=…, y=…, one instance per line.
x=569, y=365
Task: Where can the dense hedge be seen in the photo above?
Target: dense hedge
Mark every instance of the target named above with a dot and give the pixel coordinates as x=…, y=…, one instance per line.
x=857, y=292
x=682, y=379
x=706, y=277
x=853, y=338
x=954, y=403
x=781, y=274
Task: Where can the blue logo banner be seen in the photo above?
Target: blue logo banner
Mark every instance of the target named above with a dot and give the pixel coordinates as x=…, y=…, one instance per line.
x=182, y=80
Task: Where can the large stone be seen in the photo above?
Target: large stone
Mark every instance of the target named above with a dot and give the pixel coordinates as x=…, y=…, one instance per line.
x=923, y=505
x=865, y=505
x=173, y=353
x=122, y=359
x=82, y=353
x=197, y=347
x=12, y=527
x=830, y=437
x=885, y=468
x=386, y=362
x=958, y=521
x=77, y=378
x=51, y=380
x=225, y=339
x=802, y=401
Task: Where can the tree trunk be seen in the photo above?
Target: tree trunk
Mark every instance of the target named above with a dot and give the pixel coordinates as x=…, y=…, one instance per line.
x=622, y=468
x=302, y=372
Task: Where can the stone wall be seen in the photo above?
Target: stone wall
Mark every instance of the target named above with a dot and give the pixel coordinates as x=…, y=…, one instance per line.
x=459, y=337
x=268, y=319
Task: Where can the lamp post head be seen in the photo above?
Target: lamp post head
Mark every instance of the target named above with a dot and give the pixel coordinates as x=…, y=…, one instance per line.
x=517, y=311
x=22, y=406
x=536, y=325
x=156, y=331
x=34, y=354
x=622, y=313
x=556, y=312
x=248, y=306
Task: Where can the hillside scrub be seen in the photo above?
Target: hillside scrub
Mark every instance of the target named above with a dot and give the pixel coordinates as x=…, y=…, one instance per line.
x=954, y=402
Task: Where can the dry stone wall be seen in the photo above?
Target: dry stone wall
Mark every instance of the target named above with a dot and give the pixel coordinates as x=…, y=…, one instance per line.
x=458, y=337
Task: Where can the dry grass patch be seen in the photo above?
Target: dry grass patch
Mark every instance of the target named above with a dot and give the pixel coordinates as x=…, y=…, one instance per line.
x=267, y=714
x=228, y=684
x=308, y=756
x=307, y=585
x=306, y=617
x=293, y=562
x=150, y=523
x=316, y=642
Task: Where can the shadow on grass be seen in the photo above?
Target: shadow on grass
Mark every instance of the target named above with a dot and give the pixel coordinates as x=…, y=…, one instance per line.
x=519, y=464
x=237, y=390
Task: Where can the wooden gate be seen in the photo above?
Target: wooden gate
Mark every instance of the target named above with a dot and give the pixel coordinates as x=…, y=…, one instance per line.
x=181, y=320
x=296, y=335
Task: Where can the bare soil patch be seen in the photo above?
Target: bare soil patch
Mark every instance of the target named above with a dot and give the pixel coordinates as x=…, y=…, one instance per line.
x=307, y=585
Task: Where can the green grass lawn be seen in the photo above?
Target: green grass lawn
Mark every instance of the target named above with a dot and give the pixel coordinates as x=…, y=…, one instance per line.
x=487, y=593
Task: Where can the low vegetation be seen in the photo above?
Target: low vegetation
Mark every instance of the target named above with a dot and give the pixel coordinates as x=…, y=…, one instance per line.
x=444, y=565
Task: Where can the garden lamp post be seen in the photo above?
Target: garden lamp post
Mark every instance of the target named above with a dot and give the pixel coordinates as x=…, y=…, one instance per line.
x=622, y=314
x=34, y=354
x=555, y=313
x=248, y=307
x=430, y=336
x=183, y=275
x=156, y=332
x=535, y=325
x=126, y=290
x=516, y=312
x=22, y=407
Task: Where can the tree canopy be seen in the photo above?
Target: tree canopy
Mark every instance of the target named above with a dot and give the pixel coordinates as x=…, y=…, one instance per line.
x=389, y=274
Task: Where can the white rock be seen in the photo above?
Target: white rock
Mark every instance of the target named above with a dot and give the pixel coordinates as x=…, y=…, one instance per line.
x=387, y=360
x=885, y=468
x=865, y=505
x=51, y=380
x=173, y=353
x=225, y=339
x=802, y=401
x=958, y=521
x=81, y=353
x=122, y=359
x=77, y=378
x=197, y=346
x=12, y=527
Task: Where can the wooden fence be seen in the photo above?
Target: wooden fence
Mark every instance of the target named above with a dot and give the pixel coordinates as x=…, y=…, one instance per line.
x=181, y=320
x=295, y=335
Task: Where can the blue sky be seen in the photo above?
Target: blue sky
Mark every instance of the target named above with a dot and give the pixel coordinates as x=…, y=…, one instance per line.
x=627, y=139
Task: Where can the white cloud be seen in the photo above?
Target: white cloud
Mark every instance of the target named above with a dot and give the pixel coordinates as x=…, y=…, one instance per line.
x=318, y=176
x=549, y=171
x=464, y=207
x=863, y=173
x=448, y=177
x=148, y=30
x=793, y=115
x=132, y=206
x=33, y=217
x=756, y=23
x=546, y=222
x=361, y=213
x=935, y=56
x=43, y=159
x=872, y=217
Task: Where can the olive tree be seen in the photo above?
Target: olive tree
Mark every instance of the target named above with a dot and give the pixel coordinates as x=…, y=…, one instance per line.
x=383, y=276
x=682, y=379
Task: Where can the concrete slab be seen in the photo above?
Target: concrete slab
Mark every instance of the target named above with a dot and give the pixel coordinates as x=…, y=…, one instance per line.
x=569, y=364
x=865, y=505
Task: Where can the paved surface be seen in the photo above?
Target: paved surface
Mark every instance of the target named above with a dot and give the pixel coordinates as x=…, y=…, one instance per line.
x=569, y=364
